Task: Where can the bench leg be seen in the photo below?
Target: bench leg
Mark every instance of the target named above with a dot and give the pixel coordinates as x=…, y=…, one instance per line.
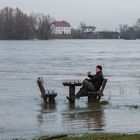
x=92, y=99
x=51, y=100
x=98, y=99
x=45, y=100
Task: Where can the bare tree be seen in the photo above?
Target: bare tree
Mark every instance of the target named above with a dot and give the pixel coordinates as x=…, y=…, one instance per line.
x=14, y=24
x=123, y=27
x=43, y=26
x=6, y=23
x=138, y=23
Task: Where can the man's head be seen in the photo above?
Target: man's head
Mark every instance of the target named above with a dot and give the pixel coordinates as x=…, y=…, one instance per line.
x=98, y=68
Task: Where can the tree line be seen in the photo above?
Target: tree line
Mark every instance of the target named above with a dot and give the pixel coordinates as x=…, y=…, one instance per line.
x=130, y=32
x=15, y=24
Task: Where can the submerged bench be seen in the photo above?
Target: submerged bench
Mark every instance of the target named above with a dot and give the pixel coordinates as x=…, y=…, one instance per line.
x=96, y=96
x=49, y=96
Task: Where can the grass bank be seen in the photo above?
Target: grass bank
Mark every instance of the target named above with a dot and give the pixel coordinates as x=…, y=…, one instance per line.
x=96, y=136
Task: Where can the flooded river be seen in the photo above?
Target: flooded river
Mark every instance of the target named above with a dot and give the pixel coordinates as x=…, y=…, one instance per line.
x=22, y=112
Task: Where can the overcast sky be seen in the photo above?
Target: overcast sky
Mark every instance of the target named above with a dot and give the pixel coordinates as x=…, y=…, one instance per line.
x=104, y=14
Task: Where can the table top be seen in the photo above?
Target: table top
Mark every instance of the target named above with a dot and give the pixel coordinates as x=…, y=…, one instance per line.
x=72, y=83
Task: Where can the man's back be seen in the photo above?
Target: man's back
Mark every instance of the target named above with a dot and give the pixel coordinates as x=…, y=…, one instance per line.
x=97, y=79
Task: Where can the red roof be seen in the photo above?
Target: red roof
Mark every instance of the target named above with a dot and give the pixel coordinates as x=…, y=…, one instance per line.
x=61, y=24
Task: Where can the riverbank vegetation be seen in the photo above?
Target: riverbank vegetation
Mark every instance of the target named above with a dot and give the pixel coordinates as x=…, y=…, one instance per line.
x=130, y=32
x=96, y=136
x=15, y=24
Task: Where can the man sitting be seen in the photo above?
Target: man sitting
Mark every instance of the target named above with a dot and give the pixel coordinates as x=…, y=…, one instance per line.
x=93, y=84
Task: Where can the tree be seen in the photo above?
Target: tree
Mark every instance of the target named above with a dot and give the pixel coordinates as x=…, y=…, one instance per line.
x=22, y=25
x=137, y=28
x=14, y=24
x=6, y=23
x=123, y=28
x=43, y=26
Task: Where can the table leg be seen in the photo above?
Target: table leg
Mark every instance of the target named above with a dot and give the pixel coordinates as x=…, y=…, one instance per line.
x=71, y=91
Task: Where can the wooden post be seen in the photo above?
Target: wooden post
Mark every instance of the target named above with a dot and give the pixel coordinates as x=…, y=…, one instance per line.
x=51, y=100
x=71, y=91
x=92, y=99
x=41, y=87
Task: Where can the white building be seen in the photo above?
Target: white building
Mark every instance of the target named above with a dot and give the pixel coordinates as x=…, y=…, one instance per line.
x=60, y=27
x=88, y=29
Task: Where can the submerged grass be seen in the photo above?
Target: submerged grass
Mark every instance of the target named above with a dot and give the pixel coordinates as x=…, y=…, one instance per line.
x=104, y=102
x=96, y=136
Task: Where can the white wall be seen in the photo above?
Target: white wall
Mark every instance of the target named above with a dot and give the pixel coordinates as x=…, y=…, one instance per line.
x=60, y=30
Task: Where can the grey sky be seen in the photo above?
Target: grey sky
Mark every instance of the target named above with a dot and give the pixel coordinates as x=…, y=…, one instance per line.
x=104, y=14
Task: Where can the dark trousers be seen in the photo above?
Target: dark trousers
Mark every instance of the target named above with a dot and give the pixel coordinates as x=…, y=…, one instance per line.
x=87, y=86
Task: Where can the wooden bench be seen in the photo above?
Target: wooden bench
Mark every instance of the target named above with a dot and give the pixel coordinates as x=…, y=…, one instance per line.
x=96, y=96
x=49, y=96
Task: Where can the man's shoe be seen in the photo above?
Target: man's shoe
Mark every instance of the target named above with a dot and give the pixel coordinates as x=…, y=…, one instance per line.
x=71, y=100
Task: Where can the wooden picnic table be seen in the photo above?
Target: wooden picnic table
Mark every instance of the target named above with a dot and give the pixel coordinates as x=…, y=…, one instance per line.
x=72, y=84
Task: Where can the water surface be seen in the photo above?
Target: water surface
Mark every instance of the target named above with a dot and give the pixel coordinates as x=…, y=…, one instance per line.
x=22, y=112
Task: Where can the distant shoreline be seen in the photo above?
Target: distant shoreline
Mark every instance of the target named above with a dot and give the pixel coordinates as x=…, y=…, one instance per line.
x=63, y=39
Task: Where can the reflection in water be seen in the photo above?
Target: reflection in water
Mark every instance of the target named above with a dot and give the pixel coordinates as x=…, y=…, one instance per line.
x=48, y=107
x=45, y=108
x=74, y=119
x=88, y=119
x=71, y=106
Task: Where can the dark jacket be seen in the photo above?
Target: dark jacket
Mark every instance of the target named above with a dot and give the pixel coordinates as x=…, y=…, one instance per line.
x=97, y=79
